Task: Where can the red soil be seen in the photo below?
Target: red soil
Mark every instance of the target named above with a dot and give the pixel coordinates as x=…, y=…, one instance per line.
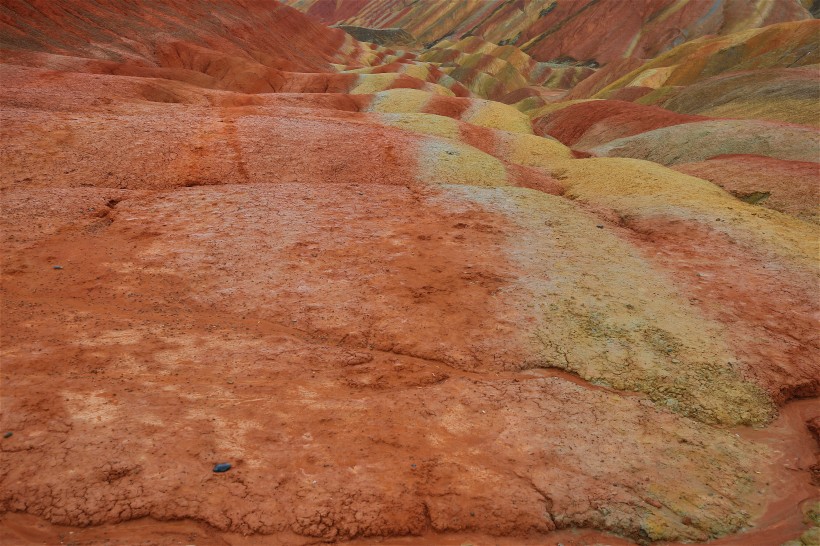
x=774, y=332
x=446, y=106
x=483, y=138
x=792, y=185
x=370, y=361
x=261, y=47
x=600, y=121
x=264, y=279
x=171, y=341
x=630, y=94
x=793, y=435
x=244, y=29
x=791, y=477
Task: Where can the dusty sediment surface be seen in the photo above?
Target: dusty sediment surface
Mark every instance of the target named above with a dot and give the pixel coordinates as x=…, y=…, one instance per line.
x=187, y=341
x=399, y=313
x=169, y=342
x=786, y=437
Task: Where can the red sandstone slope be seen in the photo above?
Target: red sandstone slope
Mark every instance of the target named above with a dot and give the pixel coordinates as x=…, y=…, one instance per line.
x=250, y=47
x=588, y=124
x=399, y=314
x=788, y=186
x=591, y=31
x=144, y=32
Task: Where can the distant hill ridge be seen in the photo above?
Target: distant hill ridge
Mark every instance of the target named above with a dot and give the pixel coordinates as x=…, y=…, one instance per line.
x=599, y=31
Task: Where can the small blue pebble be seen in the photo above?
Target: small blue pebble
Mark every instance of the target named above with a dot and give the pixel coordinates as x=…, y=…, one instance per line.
x=412, y=465
x=222, y=467
x=58, y=267
x=8, y=435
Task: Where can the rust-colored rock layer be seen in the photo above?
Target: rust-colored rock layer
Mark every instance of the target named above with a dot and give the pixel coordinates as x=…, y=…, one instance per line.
x=462, y=292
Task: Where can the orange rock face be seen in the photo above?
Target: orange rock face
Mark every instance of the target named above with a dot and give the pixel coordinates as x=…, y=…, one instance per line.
x=400, y=307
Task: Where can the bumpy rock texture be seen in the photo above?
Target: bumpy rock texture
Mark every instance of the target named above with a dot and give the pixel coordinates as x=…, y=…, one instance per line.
x=517, y=283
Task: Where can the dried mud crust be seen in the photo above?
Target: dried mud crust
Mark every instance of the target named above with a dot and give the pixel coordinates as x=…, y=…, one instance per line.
x=354, y=300
x=353, y=398
x=734, y=290
x=753, y=281
x=623, y=326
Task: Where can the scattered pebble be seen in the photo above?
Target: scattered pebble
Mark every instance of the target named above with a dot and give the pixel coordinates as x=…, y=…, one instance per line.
x=10, y=434
x=600, y=226
x=222, y=467
x=57, y=267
